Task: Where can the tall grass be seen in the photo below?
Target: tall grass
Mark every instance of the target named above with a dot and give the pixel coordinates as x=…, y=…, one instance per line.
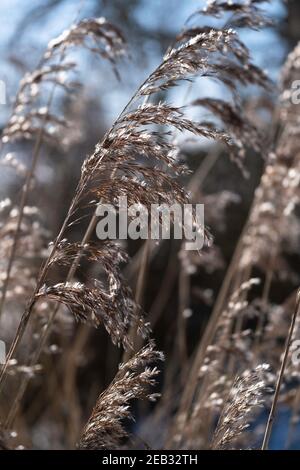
x=208, y=392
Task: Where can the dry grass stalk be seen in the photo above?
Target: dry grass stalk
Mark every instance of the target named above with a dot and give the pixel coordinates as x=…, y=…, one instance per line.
x=28, y=121
x=115, y=150
x=138, y=159
x=271, y=417
x=246, y=394
x=104, y=429
x=239, y=14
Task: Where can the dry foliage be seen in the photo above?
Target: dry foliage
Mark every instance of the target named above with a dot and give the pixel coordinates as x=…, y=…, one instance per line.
x=45, y=285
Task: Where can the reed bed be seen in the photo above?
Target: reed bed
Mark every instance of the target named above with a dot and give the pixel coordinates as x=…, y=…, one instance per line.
x=67, y=297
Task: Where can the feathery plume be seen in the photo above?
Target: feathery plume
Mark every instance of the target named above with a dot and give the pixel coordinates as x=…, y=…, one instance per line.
x=247, y=393
x=105, y=429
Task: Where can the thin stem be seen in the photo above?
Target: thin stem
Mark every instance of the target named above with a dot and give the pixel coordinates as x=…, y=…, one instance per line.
x=25, y=195
x=184, y=296
x=82, y=184
x=139, y=293
x=265, y=295
x=165, y=291
x=208, y=335
x=27, y=313
x=273, y=410
x=80, y=188
x=47, y=330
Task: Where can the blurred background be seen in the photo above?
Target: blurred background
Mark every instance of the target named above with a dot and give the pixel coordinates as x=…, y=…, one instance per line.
x=149, y=27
